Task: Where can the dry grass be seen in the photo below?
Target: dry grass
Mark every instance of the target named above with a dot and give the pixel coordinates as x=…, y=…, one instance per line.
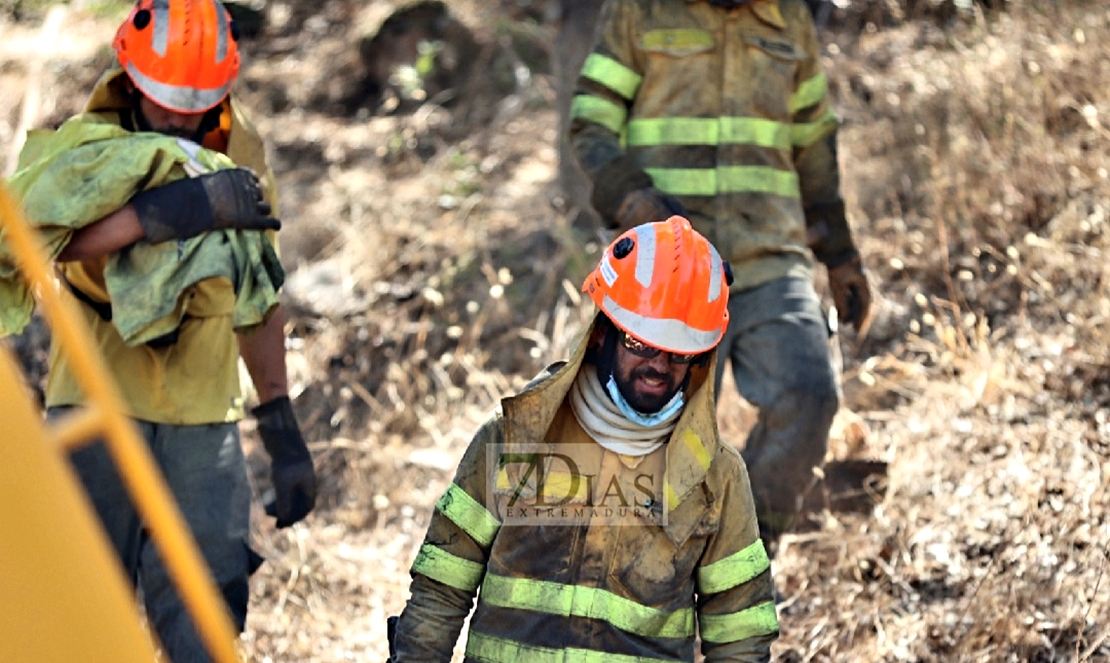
x=432, y=274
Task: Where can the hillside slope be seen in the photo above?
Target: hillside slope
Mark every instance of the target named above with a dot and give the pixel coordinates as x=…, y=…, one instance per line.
x=433, y=269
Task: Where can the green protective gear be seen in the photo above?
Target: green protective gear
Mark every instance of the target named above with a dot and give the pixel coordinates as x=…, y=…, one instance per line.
x=291, y=469
x=228, y=199
x=851, y=293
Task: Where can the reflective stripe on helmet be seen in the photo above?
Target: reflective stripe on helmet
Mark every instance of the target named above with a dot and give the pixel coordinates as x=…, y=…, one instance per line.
x=177, y=97
x=670, y=334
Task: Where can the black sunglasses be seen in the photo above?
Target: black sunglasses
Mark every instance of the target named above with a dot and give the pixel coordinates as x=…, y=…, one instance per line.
x=641, y=349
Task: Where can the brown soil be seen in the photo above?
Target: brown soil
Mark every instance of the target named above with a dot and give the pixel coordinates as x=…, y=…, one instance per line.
x=433, y=269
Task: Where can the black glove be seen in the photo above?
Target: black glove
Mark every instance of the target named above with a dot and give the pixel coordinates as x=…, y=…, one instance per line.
x=851, y=293
x=391, y=636
x=647, y=205
x=291, y=467
x=224, y=200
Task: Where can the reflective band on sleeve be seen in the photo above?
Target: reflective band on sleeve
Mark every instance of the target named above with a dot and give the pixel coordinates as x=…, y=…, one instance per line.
x=725, y=179
x=595, y=109
x=808, y=133
x=438, y=564
x=465, y=511
x=589, y=602
x=612, y=74
x=652, y=132
x=736, y=569
x=810, y=92
x=491, y=649
x=751, y=623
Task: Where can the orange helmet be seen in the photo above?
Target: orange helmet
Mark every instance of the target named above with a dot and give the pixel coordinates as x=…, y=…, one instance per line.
x=181, y=54
x=664, y=284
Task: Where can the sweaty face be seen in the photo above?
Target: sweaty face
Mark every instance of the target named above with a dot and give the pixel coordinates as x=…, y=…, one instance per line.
x=170, y=123
x=647, y=383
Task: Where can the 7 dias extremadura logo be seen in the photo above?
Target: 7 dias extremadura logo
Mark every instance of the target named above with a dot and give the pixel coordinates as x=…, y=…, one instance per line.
x=574, y=485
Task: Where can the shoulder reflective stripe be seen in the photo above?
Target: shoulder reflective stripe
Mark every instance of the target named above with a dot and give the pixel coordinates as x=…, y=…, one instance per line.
x=808, y=133
x=491, y=649
x=810, y=92
x=694, y=443
x=595, y=109
x=589, y=602
x=438, y=564
x=671, y=333
x=465, y=511
x=612, y=74
x=725, y=179
x=650, y=132
x=751, y=623
x=736, y=569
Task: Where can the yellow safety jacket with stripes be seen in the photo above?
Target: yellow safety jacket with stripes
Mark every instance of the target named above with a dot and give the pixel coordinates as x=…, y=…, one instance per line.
x=578, y=554
x=726, y=111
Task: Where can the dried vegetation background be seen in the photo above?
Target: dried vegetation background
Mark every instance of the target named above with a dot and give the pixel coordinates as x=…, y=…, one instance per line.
x=433, y=269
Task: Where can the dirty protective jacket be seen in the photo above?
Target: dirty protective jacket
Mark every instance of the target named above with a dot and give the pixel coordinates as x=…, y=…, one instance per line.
x=726, y=111
x=584, y=555
x=195, y=379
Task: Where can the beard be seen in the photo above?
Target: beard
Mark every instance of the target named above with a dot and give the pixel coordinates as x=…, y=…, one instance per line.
x=646, y=403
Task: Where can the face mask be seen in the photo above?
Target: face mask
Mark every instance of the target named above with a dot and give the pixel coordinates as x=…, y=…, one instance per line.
x=646, y=420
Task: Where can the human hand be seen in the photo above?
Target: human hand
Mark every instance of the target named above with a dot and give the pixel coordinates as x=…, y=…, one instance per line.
x=851, y=293
x=228, y=199
x=291, y=469
x=647, y=205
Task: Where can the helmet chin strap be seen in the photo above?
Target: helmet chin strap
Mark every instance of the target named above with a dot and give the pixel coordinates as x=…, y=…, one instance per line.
x=729, y=4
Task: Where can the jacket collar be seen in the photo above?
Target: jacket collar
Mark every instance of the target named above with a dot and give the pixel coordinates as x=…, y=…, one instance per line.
x=692, y=446
x=767, y=11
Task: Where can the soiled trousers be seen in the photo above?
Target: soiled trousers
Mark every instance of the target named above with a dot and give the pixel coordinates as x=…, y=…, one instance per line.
x=777, y=344
x=207, y=475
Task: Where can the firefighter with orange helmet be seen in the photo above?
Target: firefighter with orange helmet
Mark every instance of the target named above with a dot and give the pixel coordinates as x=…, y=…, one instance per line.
x=597, y=515
x=175, y=160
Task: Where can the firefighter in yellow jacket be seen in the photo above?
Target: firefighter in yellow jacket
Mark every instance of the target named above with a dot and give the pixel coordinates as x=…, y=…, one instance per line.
x=597, y=516
x=717, y=109
x=169, y=96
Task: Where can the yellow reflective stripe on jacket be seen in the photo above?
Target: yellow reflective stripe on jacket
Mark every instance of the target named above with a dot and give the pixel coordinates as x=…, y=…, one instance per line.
x=809, y=93
x=612, y=74
x=751, y=623
x=463, y=510
x=553, y=598
x=650, y=132
x=808, y=133
x=602, y=111
x=499, y=650
x=725, y=179
x=736, y=569
x=440, y=565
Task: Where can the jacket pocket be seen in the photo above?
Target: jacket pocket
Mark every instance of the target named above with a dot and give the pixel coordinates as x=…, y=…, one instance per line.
x=676, y=42
x=649, y=569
